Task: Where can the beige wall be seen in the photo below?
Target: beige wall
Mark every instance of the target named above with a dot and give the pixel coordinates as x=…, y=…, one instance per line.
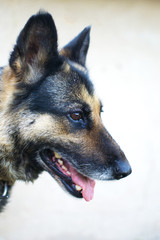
x=124, y=62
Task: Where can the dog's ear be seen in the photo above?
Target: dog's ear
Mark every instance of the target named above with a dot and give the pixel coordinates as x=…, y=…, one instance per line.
x=36, y=48
x=77, y=49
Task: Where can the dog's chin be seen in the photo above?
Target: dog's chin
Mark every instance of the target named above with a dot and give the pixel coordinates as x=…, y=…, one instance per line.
x=68, y=177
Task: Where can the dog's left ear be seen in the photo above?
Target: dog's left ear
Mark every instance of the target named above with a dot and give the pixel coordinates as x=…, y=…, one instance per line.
x=77, y=49
x=36, y=49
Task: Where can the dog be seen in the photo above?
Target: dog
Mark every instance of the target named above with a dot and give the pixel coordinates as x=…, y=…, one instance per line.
x=51, y=116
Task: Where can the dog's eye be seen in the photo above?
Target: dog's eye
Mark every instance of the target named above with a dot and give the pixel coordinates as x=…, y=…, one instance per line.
x=76, y=116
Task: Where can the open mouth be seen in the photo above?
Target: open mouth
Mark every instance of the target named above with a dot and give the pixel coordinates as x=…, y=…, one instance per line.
x=74, y=182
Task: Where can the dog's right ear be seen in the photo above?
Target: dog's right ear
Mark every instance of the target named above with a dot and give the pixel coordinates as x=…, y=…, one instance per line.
x=36, y=48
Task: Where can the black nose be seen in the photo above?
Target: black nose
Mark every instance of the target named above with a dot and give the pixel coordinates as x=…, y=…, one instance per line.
x=122, y=169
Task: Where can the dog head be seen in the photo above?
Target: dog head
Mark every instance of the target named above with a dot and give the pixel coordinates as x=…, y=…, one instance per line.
x=52, y=115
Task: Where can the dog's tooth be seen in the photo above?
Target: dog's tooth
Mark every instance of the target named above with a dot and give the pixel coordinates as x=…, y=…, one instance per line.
x=60, y=162
x=78, y=188
x=64, y=168
x=69, y=174
x=57, y=155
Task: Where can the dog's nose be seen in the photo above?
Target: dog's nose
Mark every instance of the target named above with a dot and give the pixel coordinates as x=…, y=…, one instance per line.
x=122, y=169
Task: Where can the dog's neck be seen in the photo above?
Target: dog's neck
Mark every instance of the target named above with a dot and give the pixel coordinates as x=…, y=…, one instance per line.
x=5, y=163
x=1, y=70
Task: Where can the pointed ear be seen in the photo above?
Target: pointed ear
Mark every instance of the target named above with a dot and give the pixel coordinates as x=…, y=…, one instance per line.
x=36, y=48
x=77, y=49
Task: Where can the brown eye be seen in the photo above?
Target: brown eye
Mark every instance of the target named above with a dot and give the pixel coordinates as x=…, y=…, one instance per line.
x=76, y=116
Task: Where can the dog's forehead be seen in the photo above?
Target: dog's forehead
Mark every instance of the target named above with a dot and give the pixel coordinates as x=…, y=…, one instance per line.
x=70, y=80
x=68, y=87
x=80, y=86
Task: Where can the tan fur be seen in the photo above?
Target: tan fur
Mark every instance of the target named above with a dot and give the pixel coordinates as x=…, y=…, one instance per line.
x=8, y=88
x=43, y=127
x=94, y=103
x=65, y=52
x=66, y=67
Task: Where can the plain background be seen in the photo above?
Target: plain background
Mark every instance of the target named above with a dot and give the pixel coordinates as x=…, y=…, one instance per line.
x=124, y=63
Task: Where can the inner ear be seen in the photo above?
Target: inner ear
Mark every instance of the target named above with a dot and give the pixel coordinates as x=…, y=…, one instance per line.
x=76, y=50
x=36, y=46
x=32, y=52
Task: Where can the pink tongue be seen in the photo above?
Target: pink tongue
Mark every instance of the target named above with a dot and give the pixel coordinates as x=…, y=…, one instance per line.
x=85, y=183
